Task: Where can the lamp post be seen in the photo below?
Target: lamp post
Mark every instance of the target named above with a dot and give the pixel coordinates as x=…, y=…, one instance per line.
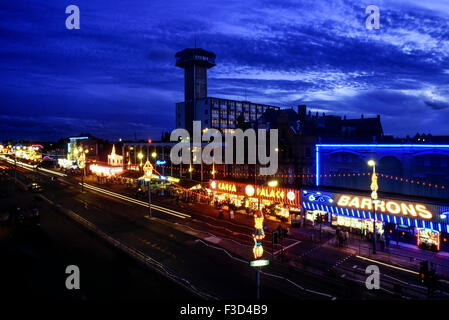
x=374, y=187
x=148, y=170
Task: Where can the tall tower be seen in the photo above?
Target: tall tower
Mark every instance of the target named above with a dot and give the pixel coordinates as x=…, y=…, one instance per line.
x=195, y=63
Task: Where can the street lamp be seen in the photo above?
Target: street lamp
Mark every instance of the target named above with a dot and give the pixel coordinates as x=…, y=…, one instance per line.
x=154, y=154
x=140, y=156
x=374, y=187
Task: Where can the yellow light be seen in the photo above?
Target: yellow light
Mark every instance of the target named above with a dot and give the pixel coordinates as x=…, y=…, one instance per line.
x=213, y=172
x=86, y=151
x=249, y=190
x=273, y=183
x=190, y=169
x=154, y=154
x=140, y=155
x=371, y=163
x=76, y=151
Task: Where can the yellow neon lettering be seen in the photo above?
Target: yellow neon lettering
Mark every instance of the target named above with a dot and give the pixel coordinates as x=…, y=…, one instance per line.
x=343, y=201
x=393, y=207
x=408, y=209
x=423, y=212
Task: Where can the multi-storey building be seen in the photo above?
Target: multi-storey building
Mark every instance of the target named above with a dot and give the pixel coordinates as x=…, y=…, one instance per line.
x=213, y=112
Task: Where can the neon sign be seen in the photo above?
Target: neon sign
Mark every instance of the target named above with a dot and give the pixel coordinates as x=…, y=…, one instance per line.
x=387, y=206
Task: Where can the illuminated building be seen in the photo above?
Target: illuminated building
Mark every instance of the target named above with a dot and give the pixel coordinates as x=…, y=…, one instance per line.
x=249, y=196
x=392, y=213
x=115, y=159
x=402, y=168
x=113, y=168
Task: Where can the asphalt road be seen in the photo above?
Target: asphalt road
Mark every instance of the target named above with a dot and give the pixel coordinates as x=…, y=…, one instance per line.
x=323, y=268
x=34, y=260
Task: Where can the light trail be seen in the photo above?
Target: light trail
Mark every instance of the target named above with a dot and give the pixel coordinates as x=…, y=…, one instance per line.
x=387, y=265
x=139, y=202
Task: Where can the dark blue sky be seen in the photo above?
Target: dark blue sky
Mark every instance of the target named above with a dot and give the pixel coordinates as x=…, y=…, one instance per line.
x=116, y=75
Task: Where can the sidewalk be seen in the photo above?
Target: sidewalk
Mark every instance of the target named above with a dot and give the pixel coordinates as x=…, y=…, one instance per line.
x=403, y=254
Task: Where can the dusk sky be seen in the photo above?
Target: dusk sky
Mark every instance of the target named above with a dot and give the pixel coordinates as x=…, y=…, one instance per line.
x=116, y=75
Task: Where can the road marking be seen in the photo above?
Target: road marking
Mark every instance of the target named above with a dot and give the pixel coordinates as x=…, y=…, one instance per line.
x=343, y=275
x=287, y=247
x=354, y=267
x=387, y=265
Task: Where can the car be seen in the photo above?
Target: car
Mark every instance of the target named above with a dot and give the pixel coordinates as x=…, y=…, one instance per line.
x=35, y=187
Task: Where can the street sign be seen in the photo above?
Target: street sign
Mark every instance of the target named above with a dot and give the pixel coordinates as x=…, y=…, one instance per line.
x=259, y=263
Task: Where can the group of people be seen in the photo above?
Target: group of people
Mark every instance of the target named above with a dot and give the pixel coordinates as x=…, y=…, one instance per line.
x=342, y=236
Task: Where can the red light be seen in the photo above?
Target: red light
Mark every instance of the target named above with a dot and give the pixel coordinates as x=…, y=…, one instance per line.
x=149, y=141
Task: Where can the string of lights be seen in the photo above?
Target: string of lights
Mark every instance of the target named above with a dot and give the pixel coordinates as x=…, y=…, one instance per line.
x=422, y=183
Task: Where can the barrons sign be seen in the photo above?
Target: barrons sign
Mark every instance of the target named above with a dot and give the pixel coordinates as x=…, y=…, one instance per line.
x=385, y=206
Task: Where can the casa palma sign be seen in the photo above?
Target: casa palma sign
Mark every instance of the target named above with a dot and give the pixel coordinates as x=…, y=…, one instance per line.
x=282, y=195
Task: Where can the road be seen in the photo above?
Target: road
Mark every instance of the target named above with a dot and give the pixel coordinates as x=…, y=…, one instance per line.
x=323, y=269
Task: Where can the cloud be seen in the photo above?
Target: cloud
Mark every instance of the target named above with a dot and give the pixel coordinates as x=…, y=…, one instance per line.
x=119, y=67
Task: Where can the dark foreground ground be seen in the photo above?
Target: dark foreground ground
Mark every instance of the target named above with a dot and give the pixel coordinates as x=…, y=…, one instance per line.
x=34, y=259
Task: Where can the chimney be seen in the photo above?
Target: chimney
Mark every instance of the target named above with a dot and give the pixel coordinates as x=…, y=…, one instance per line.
x=362, y=115
x=344, y=117
x=378, y=117
x=302, y=111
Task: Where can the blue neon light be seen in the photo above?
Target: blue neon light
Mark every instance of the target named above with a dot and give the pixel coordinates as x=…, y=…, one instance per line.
x=352, y=212
x=364, y=215
x=416, y=223
x=384, y=145
x=382, y=217
x=358, y=213
x=161, y=162
x=318, y=146
x=439, y=227
x=447, y=228
x=317, y=169
x=375, y=216
x=388, y=218
x=369, y=214
x=423, y=224
x=332, y=209
x=402, y=221
x=431, y=225
x=394, y=219
x=408, y=222
x=347, y=212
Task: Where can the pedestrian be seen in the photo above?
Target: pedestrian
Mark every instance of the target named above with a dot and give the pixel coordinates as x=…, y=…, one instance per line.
x=382, y=242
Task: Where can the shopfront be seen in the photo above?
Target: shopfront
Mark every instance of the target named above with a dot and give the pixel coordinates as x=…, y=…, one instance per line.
x=422, y=223
x=278, y=202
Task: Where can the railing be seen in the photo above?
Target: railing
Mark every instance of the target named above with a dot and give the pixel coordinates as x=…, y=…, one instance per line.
x=146, y=260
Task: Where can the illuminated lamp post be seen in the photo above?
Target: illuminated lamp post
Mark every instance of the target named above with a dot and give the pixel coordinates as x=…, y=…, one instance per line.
x=140, y=156
x=374, y=187
x=82, y=164
x=258, y=235
x=148, y=170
